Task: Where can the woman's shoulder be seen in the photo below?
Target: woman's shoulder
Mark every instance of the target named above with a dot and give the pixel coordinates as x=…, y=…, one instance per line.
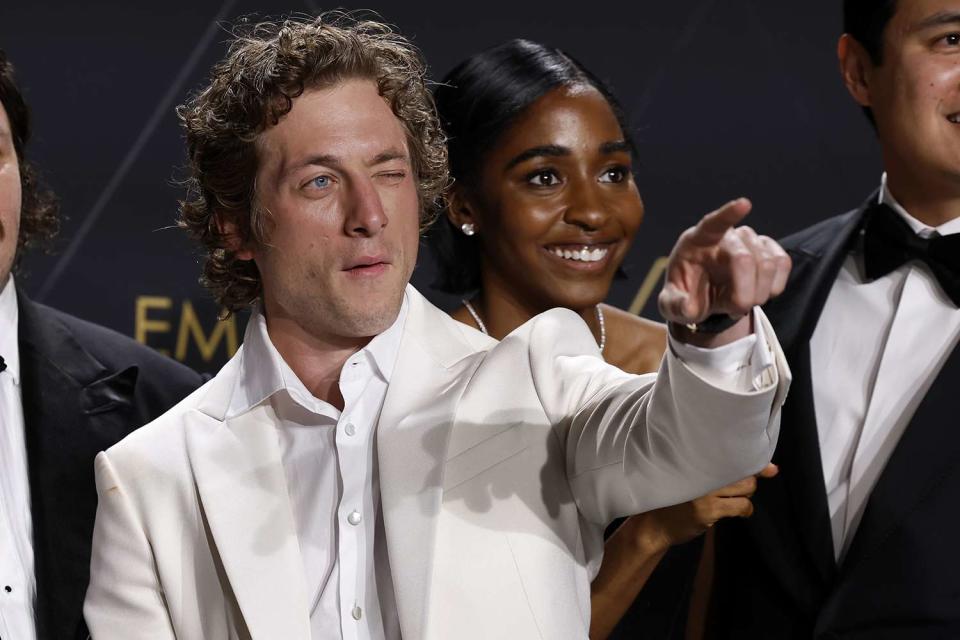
x=634, y=344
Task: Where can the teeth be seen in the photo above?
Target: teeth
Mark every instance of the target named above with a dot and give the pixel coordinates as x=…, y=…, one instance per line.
x=586, y=254
x=954, y=118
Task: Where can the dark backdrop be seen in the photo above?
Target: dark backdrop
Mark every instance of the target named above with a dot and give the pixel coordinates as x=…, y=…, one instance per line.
x=726, y=98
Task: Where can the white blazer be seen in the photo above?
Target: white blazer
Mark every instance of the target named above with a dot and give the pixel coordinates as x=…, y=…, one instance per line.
x=500, y=465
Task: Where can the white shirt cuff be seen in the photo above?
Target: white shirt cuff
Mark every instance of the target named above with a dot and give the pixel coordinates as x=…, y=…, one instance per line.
x=741, y=366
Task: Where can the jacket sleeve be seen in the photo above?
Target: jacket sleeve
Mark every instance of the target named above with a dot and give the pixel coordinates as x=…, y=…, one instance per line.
x=124, y=599
x=636, y=443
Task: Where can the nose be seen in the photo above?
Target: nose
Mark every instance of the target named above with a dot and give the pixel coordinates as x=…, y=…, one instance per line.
x=365, y=215
x=585, y=207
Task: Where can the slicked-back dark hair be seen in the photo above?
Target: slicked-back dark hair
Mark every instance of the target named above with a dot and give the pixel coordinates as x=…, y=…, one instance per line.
x=478, y=101
x=39, y=209
x=866, y=21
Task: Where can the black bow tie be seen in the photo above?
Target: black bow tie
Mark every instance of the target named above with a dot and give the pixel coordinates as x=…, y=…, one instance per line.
x=3, y=365
x=888, y=242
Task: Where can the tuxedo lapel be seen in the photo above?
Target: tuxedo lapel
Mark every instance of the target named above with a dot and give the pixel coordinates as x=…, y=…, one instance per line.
x=243, y=494
x=927, y=451
x=413, y=432
x=817, y=257
x=73, y=408
x=798, y=456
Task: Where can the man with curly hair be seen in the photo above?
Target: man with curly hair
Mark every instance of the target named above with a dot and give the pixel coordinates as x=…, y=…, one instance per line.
x=365, y=466
x=67, y=390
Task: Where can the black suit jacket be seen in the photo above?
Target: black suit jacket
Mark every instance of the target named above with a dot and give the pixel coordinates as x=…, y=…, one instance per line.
x=84, y=388
x=776, y=576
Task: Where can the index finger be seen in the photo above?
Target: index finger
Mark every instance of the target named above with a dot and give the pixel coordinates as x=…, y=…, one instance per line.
x=712, y=227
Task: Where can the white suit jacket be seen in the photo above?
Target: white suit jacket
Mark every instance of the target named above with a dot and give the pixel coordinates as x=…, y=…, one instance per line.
x=500, y=464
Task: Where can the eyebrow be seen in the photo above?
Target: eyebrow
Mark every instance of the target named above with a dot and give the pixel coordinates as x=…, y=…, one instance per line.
x=331, y=160
x=388, y=156
x=618, y=146
x=546, y=150
x=939, y=19
x=557, y=151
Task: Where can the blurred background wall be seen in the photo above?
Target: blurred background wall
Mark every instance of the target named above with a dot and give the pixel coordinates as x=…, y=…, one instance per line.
x=726, y=98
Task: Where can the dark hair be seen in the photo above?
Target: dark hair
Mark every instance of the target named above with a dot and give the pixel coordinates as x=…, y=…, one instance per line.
x=478, y=101
x=39, y=209
x=866, y=21
x=267, y=67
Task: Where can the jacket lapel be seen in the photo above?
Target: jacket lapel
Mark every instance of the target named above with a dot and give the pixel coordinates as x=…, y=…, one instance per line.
x=243, y=493
x=73, y=408
x=817, y=258
x=432, y=368
x=927, y=450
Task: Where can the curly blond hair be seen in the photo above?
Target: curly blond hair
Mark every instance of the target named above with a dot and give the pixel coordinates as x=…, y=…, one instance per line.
x=268, y=65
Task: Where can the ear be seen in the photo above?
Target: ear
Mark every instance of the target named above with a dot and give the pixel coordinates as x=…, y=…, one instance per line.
x=232, y=240
x=460, y=208
x=855, y=68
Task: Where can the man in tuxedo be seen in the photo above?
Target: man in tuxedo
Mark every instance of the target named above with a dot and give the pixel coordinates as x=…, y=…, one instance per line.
x=366, y=466
x=68, y=389
x=856, y=537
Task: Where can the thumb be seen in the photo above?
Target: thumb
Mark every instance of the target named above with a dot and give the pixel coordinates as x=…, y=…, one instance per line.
x=769, y=471
x=676, y=305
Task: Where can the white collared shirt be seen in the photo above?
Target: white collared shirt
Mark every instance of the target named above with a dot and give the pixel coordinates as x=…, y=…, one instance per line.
x=329, y=458
x=876, y=349
x=17, y=582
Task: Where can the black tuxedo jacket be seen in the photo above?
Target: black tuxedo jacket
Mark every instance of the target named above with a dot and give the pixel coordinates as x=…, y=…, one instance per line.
x=776, y=576
x=84, y=388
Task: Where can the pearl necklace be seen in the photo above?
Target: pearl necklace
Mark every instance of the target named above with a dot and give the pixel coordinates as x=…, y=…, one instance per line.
x=483, y=327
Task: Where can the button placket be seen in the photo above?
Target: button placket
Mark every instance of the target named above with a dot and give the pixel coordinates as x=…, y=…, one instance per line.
x=353, y=454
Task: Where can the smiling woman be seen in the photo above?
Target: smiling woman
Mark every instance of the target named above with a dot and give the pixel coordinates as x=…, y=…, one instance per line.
x=544, y=188
x=543, y=210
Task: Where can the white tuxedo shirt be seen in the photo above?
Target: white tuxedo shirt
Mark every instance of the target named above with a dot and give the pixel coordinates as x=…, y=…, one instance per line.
x=500, y=464
x=871, y=379
x=18, y=585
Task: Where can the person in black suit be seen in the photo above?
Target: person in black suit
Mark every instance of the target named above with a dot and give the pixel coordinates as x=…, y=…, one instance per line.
x=857, y=535
x=68, y=390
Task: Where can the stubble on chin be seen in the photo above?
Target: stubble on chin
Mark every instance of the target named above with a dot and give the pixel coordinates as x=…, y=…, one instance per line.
x=356, y=316
x=369, y=318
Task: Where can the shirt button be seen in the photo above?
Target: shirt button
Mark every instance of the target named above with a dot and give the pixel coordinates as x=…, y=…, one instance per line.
x=357, y=613
x=354, y=518
x=350, y=429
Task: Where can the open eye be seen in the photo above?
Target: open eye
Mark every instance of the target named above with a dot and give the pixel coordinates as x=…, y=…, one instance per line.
x=544, y=178
x=948, y=41
x=320, y=182
x=614, y=174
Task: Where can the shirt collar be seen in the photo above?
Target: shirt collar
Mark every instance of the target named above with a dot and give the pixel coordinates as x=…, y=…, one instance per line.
x=946, y=229
x=264, y=372
x=9, y=330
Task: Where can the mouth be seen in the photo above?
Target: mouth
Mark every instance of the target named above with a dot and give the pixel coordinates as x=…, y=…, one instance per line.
x=954, y=118
x=581, y=256
x=368, y=266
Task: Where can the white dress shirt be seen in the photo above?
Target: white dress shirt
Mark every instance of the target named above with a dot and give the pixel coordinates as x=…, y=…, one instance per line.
x=17, y=582
x=876, y=349
x=329, y=459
